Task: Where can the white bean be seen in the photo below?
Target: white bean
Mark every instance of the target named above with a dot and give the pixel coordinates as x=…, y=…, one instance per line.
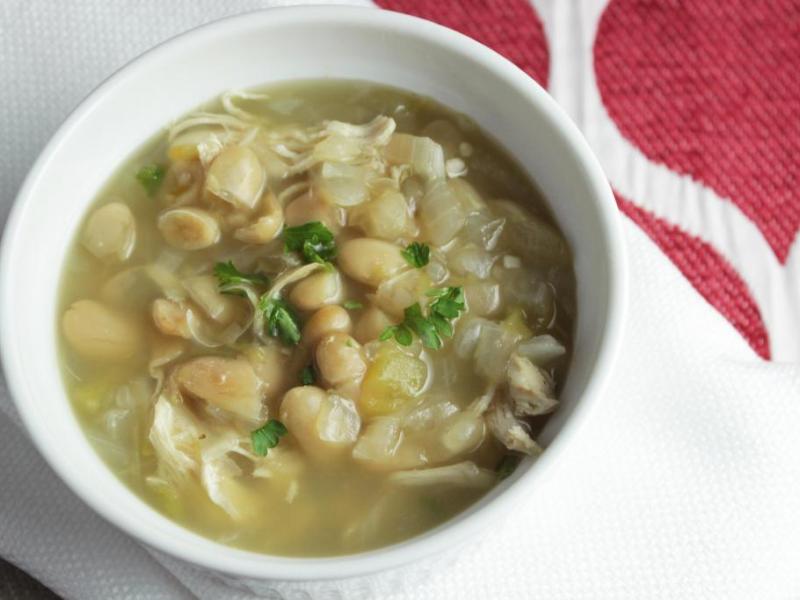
x=316, y=291
x=341, y=363
x=227, y=383
x=328, y=319
x=271, y=365
x=371, y=325
x=169, y=317
x=99, y=333
x=267, y=226
x=323, y=424
x=370, y=261
x=189, y=228
x=308, y=208
x=110, y=233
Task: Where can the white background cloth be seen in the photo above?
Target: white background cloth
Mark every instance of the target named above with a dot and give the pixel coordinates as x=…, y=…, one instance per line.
x=685, y=483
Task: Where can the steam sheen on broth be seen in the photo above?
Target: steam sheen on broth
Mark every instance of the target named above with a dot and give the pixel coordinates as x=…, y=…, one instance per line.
x=317, y=318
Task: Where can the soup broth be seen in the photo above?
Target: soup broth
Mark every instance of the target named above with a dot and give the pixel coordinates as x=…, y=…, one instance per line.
x=316, y=318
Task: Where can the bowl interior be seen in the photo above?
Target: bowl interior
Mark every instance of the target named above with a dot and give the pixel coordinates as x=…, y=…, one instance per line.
x=297, y=43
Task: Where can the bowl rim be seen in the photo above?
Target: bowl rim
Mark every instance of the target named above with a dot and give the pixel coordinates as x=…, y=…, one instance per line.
x=264, y=566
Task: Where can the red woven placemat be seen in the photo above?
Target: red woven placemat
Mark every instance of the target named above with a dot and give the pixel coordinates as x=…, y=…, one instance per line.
x=709, y=89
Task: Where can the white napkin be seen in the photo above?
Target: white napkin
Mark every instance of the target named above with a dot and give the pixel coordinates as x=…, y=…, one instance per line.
x=685, y=483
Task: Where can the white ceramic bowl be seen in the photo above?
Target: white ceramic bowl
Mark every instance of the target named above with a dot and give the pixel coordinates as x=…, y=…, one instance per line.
x=253, y=49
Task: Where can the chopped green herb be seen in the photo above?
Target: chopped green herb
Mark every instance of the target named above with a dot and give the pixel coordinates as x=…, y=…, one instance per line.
x=449, y=301
x=506, y=466
x=424, y=328
x=151, y=176
x=400, y=333
x=307, y=376
x=313, y=240
x=267, y=436
x=232, y=280
x=448, y=305
x=403, y=336
x=282, y=322
x=353, y=305
x=417, y=255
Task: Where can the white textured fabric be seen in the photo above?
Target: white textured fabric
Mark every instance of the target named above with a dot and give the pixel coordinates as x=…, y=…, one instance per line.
x=685, y=483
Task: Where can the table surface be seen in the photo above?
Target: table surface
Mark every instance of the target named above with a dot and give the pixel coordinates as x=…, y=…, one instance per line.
x=18, y=585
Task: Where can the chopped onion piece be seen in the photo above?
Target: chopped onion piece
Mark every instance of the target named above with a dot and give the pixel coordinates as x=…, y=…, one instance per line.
x=338, y=420
x=437, y=272
x=340, y=184
x=379, y=441
x=467, y=335
x=441, y=214
x=445, y=133
x=206, y=335
x=455, y=167
x=204, y=290
x=463, y=474
x=541, y=349
x=538, y=242
x=236, y=176
x=425, y=156
x=462, y=434
x=481, y=229
x=470, y=259
x=166, y=281
x=338, y=148
x=483, y=297
x=494, y=347
x=470, y=198
x=433, y=410
x=385, y=217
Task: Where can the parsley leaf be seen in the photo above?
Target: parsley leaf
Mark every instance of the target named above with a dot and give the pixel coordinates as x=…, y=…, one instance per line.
x=282, y=322
x=448, y=305
x=231, y=280
x=506, y=466
x=353, y=305
x=417, y=255
x=313, y=240
x=400, y=333
x=151, y=176
x=267, y=436
x=424, y=328
x=307, y=376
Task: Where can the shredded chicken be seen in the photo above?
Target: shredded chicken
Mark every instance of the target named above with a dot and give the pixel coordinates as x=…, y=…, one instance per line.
x=175, y=436
x=220, y=477
x=187, y=446
x=377, y=132
x=292, y=276
x=509, y=430
x=530, y=388
x=230, y=96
